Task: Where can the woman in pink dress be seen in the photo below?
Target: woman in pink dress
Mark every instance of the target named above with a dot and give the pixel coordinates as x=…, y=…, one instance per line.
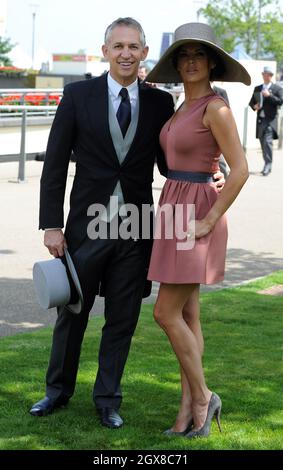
x=186, y=254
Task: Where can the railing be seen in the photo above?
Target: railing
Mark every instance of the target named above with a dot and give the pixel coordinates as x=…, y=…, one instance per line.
x=29, y=96
x=24, y=110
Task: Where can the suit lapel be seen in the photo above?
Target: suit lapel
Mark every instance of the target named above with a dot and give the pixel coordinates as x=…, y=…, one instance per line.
x=97, y=106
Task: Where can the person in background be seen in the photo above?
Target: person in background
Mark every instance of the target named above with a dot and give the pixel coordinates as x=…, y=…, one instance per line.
x=186, y=254
x=266, y=100
x=142, y=72
x=222, y=163
x=221, y=92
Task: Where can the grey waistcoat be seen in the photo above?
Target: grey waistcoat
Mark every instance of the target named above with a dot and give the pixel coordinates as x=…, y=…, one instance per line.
x=122, y=146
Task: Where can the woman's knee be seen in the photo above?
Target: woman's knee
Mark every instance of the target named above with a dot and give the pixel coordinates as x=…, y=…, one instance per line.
x=159, y=315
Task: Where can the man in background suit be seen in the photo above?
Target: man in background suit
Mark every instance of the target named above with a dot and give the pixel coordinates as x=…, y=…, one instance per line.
x=222, y=162
x=221, y=92
x=142, y=72
x=265, y=100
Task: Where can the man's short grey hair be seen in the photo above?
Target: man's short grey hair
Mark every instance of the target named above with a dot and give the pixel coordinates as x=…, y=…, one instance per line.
x=130, y=22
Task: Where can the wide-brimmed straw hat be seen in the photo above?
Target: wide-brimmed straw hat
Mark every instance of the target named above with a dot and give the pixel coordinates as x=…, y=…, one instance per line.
x=229, y=69
x=56, y=283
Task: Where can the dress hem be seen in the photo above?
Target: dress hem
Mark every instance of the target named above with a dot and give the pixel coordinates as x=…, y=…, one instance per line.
x=206, y=283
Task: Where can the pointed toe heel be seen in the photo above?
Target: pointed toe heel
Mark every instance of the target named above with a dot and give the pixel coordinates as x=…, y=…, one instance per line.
x=171, y=433
x=214, y=409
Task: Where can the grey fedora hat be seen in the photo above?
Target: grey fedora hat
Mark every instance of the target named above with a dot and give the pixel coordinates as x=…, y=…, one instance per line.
x=229, y=69
x=54, y=281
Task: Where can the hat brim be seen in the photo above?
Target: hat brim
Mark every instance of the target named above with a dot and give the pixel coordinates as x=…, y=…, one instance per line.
x=165, y=72
x=78, y=306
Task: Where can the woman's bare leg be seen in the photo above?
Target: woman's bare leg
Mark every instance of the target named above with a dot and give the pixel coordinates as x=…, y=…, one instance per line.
x=168, y=312
x=191, y=315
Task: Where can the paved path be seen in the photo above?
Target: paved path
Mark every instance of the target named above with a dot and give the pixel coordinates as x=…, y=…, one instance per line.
x=255, y=242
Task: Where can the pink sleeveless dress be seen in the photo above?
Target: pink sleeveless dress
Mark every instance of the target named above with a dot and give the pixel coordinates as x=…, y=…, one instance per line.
x=189, y=146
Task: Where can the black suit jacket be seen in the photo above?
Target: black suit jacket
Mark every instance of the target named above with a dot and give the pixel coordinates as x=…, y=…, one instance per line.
x=81, y=124
x=270, y=107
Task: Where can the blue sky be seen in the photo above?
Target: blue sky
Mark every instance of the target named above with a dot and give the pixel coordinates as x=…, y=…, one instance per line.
x=71, y=25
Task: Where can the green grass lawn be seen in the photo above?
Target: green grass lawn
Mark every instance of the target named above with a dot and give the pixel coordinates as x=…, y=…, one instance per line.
x=243, y=364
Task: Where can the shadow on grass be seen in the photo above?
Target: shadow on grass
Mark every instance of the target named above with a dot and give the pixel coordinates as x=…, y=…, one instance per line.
x=242, y=265
x=20, y=312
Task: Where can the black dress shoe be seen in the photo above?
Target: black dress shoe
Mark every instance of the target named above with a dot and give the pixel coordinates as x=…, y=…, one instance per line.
x=46, y=406
x=109, y=417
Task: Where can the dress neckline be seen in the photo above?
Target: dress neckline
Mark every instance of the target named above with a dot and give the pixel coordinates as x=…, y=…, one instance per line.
x=195, y=100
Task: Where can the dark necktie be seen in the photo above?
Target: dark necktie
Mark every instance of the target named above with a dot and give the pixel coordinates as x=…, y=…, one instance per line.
x=124, y=111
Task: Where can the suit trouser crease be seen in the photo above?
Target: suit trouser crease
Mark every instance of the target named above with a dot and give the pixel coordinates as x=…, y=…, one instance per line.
x=266, y=142
x=122, y=306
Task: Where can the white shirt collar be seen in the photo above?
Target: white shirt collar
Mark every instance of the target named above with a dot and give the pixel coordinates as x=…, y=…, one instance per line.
x=115, y=87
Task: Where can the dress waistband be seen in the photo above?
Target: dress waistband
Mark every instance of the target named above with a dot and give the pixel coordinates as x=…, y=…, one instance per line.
x=193, y=176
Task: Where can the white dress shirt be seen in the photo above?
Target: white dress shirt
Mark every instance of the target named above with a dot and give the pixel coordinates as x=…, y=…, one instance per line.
x=114, y=90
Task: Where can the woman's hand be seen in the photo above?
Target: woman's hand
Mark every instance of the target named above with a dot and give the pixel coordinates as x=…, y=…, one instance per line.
x=219, y=180
x=202, y=228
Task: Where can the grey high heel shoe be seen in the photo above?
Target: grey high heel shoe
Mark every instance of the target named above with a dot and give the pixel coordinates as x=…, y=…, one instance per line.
x=214, y=409
x=169, y=432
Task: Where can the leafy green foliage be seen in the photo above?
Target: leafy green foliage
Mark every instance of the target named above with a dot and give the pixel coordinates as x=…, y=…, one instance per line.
x=5, y=48
x=257, y=25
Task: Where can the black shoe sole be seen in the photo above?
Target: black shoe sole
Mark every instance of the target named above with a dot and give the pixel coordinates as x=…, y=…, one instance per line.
x=112, y=426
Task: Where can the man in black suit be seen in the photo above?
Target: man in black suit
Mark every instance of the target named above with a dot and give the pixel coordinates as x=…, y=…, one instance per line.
x=118, y=267
x=115, y=136
x=265, y=100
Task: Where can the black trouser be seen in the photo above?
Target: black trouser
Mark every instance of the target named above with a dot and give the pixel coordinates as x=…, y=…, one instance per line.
x=266, y=142
x=121, y=263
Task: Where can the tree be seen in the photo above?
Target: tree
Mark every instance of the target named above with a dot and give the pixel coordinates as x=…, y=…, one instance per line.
x=273, y=39
x=5, y=48
x=250, y=23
